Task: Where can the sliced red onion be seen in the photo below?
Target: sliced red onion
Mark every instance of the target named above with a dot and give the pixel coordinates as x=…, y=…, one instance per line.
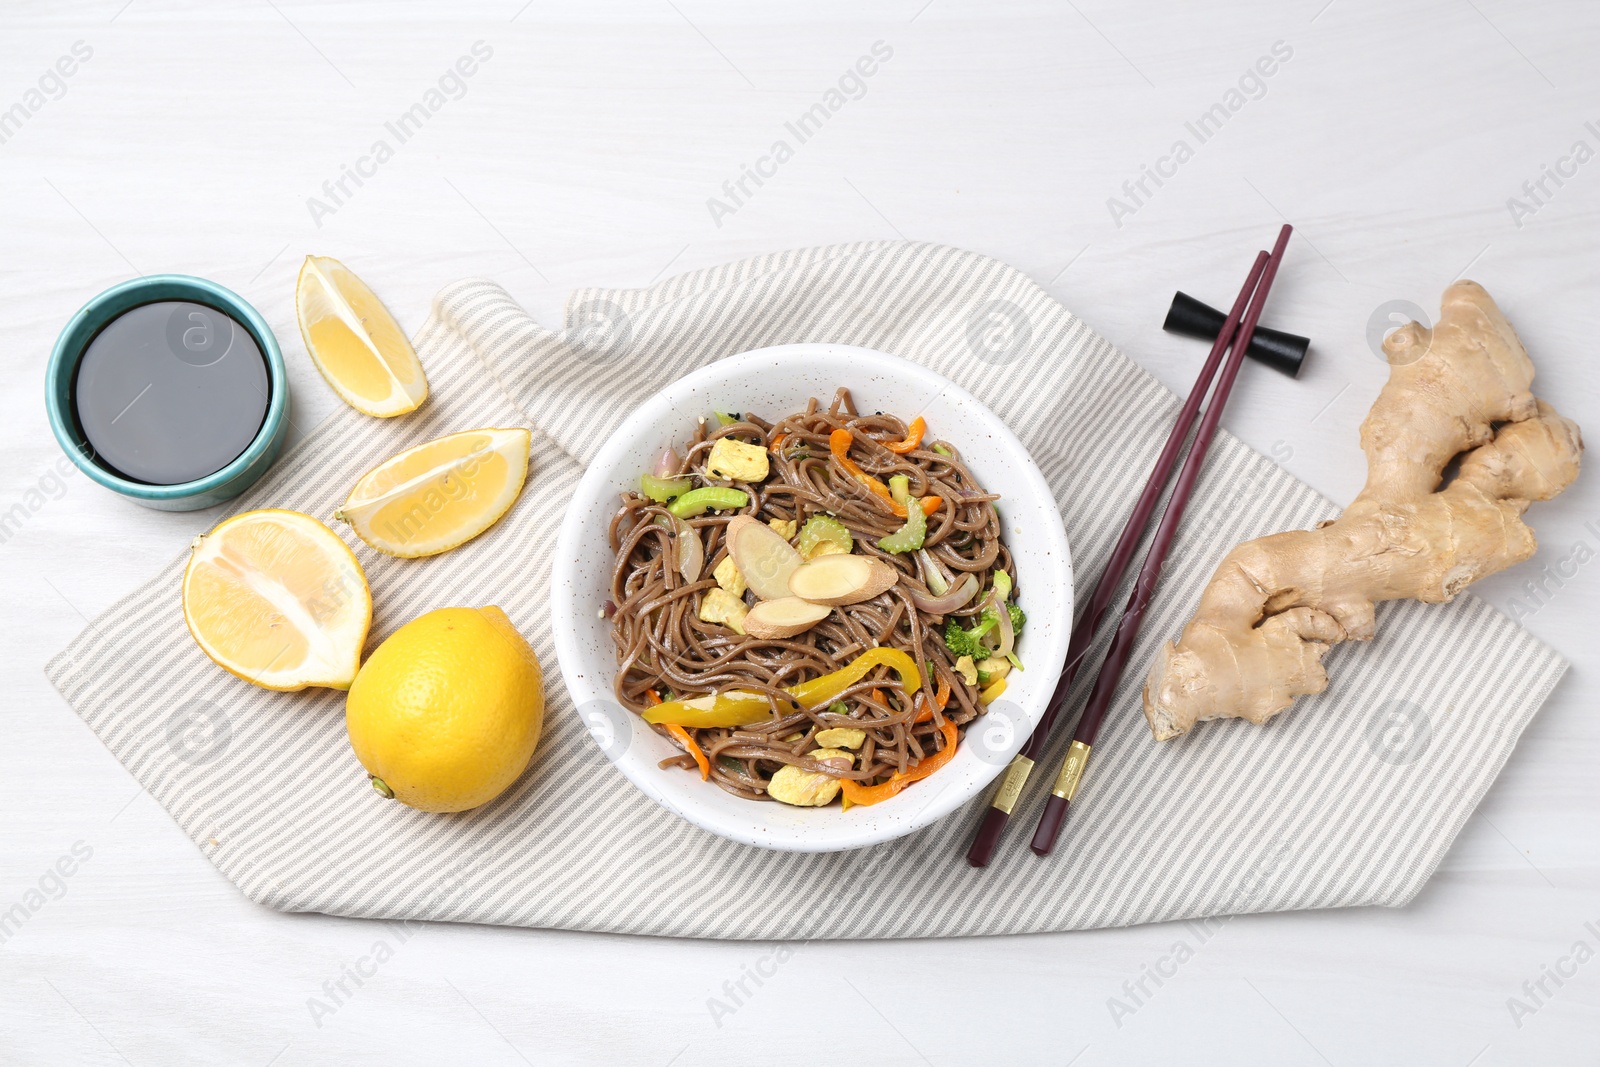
x=957, y=598
x=933, y=573
x=667, y=465
x=691, y=553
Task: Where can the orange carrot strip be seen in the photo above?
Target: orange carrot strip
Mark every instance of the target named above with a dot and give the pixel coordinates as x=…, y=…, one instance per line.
x=940, y=699
x=913, y=438
x=693, y=749
x=857, y=793
x=651, y=699
x=839, y=445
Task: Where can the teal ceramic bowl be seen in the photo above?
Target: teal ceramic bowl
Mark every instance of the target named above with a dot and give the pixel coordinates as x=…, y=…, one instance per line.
x=215, y=488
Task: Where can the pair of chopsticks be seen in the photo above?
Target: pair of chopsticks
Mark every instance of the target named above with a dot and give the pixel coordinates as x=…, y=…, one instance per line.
x=1232, y=342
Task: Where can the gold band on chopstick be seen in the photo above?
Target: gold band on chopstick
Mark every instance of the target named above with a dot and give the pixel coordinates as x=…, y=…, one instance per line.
x=1011, y=785
x=1071, y=771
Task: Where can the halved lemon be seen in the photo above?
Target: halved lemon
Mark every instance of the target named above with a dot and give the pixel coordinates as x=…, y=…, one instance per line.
x=355, y=342
x=431, y=498
x=278, y=599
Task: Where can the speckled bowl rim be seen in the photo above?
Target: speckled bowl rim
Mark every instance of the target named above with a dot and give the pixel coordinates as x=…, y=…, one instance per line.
x=582, y=559
x=136, y=292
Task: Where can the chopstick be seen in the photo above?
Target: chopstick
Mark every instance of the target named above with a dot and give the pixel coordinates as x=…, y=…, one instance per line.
x=1077, y=757
x=993, y=826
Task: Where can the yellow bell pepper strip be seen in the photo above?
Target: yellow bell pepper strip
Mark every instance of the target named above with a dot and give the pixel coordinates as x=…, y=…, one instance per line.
x=839, y=445
x=991, y=694
x=856, y=793
x=740, y=707
x=913, y=438
x=826, y=689
x=699, y=501
x=736, y=707
x=651, y=699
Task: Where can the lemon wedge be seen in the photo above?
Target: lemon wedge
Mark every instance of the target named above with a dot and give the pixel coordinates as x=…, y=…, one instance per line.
x=431, y=498
x=355, y=342
x=278, y=599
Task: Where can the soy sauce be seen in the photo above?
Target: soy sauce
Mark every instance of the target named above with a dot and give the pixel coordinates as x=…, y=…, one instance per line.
x=170, y=392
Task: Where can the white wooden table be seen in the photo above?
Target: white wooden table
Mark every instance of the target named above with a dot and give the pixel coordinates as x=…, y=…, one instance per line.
x=585, y=150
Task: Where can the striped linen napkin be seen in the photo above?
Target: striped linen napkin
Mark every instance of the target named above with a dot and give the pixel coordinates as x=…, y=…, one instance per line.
x=1351, y=798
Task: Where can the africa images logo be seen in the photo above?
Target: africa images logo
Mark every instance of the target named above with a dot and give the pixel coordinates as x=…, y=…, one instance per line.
x=450, y=85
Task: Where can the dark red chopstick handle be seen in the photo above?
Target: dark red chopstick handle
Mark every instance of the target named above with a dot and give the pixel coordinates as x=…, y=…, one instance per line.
x=1048, y=827
x=1111, y=670
x=998, y=814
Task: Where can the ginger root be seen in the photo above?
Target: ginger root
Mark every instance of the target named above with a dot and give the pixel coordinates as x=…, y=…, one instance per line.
x=1275, y=605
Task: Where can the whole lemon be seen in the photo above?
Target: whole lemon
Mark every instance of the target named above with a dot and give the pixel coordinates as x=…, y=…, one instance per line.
x=446, y=713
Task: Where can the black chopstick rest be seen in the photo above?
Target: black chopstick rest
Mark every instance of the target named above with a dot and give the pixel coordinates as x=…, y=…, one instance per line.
x=1283, y=352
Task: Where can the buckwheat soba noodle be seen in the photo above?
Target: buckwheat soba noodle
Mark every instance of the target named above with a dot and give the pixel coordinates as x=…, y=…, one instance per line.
x=771, y=696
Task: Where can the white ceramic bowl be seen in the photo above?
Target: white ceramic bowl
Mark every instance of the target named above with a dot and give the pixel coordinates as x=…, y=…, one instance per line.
x=774, y=382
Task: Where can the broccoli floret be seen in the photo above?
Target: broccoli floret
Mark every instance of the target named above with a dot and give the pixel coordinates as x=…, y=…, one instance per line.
x=958, y=641
x=964, y=642
x=1018, y=619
